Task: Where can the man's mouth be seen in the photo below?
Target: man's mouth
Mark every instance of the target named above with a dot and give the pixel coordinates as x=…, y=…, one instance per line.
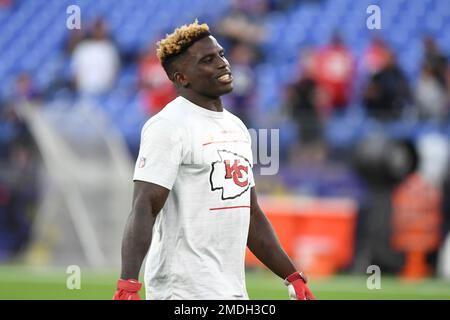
x=225, y=78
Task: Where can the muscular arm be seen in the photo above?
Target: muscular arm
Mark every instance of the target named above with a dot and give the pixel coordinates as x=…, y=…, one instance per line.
x=263, y=242
x=148, y=200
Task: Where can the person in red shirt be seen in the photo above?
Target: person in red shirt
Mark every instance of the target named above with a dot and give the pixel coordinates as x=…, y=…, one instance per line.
x=334, y=73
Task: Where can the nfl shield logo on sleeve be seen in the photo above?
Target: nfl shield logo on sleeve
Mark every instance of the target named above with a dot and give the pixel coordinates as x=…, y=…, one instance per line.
x=141, y=162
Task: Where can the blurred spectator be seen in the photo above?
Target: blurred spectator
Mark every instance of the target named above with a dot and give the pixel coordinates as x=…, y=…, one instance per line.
x=24, y=91
x=434, y=152
x=302, y=99
x=18, y=193
x=96, y=61
x=22, y=144
x=435, y=60
x=334, y=71
x=431, y=97
x=383, y=164
x=18, y=170
x=241, y=99
x=376, y=56
x=432, y=91
x=245, y=22
x=156, y=88
x=387, y=93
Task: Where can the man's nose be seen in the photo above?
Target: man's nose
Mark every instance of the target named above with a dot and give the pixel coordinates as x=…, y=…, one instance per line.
x=223, y=62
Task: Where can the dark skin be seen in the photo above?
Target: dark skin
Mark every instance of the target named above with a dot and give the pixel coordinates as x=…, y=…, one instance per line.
x=197, y=71
x=195, y=75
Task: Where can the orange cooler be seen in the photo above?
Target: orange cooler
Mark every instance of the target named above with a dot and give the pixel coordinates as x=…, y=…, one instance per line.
x=318, y=234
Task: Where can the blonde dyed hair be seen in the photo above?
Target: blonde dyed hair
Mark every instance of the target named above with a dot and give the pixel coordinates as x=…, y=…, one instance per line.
x=181, y=39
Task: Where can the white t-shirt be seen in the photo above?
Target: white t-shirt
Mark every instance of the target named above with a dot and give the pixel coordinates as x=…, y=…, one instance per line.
x=200, y=236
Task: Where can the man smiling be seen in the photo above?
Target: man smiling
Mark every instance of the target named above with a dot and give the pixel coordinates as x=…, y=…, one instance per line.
x=194, y=206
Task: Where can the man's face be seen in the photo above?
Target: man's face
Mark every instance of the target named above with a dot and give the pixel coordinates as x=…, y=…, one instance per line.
x=206, y=69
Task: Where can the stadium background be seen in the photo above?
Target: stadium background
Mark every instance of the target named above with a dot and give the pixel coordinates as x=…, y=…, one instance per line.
x=363, y=126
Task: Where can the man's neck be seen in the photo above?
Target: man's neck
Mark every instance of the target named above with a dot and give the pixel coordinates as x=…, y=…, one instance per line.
x=204, y=102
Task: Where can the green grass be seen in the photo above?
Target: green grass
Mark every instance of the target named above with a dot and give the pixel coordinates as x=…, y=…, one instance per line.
x=27, y=283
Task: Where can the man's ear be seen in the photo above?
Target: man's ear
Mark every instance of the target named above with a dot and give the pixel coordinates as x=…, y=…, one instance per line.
x=180, y=79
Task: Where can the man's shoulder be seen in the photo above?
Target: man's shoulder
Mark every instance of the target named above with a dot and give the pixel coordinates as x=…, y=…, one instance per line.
x=167, y=119
x=236, y=119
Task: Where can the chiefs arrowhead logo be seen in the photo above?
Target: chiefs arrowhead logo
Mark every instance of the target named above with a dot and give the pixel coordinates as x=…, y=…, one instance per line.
x=230, y=174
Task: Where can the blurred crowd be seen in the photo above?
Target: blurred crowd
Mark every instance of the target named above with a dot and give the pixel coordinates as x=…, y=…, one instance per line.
x=329, y=83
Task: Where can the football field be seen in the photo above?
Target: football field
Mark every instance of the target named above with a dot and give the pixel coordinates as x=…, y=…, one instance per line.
x=26, y=283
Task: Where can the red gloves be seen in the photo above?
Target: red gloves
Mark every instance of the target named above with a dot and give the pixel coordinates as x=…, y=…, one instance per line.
x=127, y=290
x=298, y=290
